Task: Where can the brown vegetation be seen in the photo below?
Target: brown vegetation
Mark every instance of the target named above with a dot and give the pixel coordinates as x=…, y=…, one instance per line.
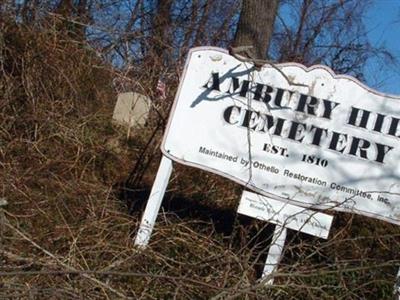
x=70, y=177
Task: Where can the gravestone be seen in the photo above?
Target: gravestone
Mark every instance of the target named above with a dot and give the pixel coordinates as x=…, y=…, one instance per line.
x=132, y=109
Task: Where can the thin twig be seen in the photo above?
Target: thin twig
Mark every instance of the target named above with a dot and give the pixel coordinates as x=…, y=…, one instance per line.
x=68, y=267
x=258, y=63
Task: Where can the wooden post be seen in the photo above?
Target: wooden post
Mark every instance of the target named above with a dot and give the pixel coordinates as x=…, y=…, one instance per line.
x=153, y=204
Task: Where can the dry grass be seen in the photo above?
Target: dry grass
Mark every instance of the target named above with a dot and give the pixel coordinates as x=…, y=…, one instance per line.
x=67, y=234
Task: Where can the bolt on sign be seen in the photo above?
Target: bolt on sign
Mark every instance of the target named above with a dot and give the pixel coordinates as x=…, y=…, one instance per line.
x=306, y=135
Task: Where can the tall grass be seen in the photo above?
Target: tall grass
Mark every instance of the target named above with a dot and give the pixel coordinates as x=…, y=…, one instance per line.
x=70, y=177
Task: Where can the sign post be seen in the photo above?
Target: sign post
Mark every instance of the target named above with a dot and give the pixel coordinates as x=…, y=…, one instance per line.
x=284, y=216
x=153, y=204
x=274, y=253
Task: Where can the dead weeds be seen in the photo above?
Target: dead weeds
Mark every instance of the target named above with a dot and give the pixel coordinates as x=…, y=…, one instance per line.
x=66, y=173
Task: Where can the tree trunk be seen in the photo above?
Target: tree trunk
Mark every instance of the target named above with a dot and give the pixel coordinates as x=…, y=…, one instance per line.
x=256, y=25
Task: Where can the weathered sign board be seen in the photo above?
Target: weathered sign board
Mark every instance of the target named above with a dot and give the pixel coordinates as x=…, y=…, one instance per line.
x=285, y=215
x=306, y=135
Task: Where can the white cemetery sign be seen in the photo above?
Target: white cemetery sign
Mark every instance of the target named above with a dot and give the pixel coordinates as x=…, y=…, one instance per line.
x=320, y=140
x=301, y=135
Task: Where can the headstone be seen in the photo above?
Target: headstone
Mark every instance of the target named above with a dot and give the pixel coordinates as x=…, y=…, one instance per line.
x=132, y=109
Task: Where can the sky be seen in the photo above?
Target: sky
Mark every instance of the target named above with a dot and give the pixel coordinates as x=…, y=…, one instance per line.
x=383, y=26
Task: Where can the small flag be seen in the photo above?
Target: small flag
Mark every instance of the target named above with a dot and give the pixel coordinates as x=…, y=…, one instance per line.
x=161, y=89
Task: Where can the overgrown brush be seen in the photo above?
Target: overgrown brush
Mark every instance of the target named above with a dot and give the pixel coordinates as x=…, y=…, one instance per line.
x=66, y=234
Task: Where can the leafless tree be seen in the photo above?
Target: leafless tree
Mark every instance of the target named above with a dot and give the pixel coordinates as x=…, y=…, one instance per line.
x=325, y=32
